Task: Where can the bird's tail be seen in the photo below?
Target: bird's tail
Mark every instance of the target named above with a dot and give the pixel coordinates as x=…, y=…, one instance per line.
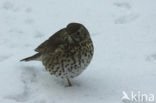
x=34, y=57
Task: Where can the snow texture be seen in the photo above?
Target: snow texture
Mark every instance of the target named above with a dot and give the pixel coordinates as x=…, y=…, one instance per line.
x=124, y=36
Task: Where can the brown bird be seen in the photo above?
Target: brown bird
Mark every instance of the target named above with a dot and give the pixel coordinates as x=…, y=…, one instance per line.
x=67, y=53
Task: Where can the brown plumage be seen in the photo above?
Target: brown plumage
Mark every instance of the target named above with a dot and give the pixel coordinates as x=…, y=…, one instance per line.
x=66, y=53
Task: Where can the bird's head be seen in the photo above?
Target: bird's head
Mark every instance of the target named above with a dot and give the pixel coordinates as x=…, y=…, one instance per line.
x=77, y=33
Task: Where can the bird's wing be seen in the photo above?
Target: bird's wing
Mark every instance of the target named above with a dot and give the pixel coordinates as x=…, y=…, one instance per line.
x=53, y=42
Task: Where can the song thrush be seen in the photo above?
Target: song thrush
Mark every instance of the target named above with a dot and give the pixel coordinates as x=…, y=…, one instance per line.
x=66, y=53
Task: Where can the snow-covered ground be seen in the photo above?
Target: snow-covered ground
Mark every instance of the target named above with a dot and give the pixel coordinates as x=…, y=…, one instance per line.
x=124, y=35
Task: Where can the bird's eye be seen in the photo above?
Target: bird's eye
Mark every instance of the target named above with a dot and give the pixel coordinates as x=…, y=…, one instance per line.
x=78, y=33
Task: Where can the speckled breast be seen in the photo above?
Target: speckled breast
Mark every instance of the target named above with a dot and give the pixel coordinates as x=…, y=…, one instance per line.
x=69, y=61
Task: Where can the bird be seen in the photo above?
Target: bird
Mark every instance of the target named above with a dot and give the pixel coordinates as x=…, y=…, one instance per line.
x=67, y=53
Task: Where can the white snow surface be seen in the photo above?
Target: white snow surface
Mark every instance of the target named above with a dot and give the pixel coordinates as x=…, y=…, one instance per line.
x=124, y=36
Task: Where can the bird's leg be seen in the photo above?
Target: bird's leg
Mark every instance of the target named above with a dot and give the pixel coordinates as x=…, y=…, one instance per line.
x=69, y=83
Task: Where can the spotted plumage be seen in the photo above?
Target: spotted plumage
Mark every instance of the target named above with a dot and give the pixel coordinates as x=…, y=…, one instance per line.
x=67, y=53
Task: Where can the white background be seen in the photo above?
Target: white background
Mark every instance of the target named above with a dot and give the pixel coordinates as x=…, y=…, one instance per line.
x=124, y=36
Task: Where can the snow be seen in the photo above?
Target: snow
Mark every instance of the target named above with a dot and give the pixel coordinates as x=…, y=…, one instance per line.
x=124, y=36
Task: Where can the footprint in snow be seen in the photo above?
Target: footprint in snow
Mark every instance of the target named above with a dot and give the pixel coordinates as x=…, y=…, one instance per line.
x=126, y=19
x=125, y=13
x=123, y=5
x=8, y=5
x=29, y=21
x=28, y=10
x=151, y=58
x=4, y=57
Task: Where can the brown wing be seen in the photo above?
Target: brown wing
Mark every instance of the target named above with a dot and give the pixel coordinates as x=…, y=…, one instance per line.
x=53, y=42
